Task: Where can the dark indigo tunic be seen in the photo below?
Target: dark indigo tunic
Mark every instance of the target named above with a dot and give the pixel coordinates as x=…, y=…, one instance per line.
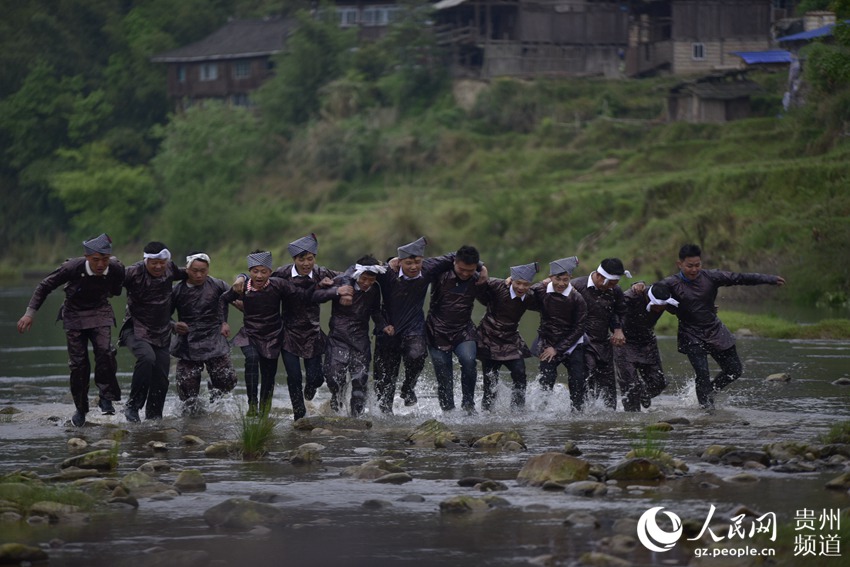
x=605, y=310
x=198, y=307
x=639, y=328
x=86, y=304
x=404, y=299
x=449, y=321
x=262, y=325
x=498, y=331
x=349, y=324
x=149, y=302
x=303, y=335
x=562, y=319
x=698, y=321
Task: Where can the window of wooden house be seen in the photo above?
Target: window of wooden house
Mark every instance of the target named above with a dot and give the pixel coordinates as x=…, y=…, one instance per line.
x=347, y=16
x=240, y=99
x=697, y=51
x=379, y=15
x=181, y=73
x=209, y=71
x=241, y=70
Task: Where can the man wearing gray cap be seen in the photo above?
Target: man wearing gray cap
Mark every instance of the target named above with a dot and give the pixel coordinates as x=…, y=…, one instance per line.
x=404, y=287
x=560, y=336
x=499, y=341
x=147, y=329
x=89, y=281
x=606, y=308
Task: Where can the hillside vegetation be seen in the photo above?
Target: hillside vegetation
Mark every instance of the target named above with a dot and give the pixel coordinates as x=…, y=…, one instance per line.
x=381, y=147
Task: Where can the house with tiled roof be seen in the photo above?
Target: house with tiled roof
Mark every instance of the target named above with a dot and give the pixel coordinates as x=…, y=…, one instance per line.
x=227, y=65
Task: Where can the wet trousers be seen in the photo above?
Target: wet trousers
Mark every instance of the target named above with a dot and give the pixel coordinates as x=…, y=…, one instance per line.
x=105, y=365
x=576, y=377
x=442, y=361
x=389, y=352
x=222, y=377
x=491, y=381
x=340, y=363
x=639, y=380
x=150, y=375
x=730, y=370
x=601, y=378
x=294, y=379
x=259, y=372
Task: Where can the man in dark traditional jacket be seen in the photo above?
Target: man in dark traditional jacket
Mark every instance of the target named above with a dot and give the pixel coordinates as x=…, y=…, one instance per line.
x=303, y=338
x=87, y=317
x=639, y=371
x=450, y=329
x=701, y=333
x=200, y=334
x=404, y=287
x=355, y=299
x=260, y=336
x=560, y=337
x=603, y=327
x=499, y=341
x=147, y=329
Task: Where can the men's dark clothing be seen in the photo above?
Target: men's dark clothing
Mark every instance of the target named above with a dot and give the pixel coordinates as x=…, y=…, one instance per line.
x=562, y=319
x=499, y=341
x=701, y=333
x=448, y=326
x=605, y=310
x=261, y=331
x=303, y=337
x=204, y=345
x=349, y=347
x=87, y=317
x=146, y=331
x=403, y=307
x=638, y=362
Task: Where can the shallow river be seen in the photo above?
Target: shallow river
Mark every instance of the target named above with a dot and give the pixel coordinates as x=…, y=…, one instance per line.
x=327, y=523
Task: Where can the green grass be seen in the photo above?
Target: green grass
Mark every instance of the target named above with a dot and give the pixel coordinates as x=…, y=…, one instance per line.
x=25, y=494
x=256, y=431
x=838, y=433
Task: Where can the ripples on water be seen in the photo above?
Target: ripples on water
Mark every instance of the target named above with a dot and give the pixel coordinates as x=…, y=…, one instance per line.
x=327, y=524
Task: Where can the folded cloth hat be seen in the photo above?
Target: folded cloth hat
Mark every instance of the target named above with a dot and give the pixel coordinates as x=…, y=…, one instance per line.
x=260, y=259
x=563, y=265
x=307, y=243
x=98, y=245
x=411, y=249
x=525, y=272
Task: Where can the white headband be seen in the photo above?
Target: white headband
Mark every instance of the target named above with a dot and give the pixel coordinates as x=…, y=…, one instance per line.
x=609, y=277
x=164, y=254
x=358, y=270
x=655, y=301
x=193, y=257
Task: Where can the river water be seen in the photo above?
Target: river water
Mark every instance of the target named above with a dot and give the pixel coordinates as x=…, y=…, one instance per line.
x=327, y=523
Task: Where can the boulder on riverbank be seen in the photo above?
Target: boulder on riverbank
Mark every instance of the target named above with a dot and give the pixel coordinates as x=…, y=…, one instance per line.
x=504, y=441
x=102, y=460
x=432, y=433
x=241, y=514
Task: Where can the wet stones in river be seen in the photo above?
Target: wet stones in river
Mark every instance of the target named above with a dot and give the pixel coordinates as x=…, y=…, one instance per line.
x=786, y=450
x=779, y=377
x=374, y=469
x=241, y=514
x=18, y=553
x=571, y=448
x=307, y=454
x=587, y=488
x=222, y=449
x=740, y=457
x=190, y=480
x=394, y=478
x=661, y=426
x=433, y=433
x=843, y=381
x=56, y=513
x=156, y=466
x=510, y=441
x=582, y=520
x=664, y=460
x=193, y=440
x=463, y=505
x=77, y=444
x=141, y=485
x=101, y=459
x=635, y=469
x=841, y=482
x=713, y=453
x=553, y=467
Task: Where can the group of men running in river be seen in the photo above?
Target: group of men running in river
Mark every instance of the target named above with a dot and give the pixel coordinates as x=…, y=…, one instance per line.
x=603, y=336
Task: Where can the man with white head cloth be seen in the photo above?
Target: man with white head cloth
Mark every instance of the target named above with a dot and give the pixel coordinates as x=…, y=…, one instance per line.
x=604, y=326
x=87, y=316
x=147, y=329
x=200, y=338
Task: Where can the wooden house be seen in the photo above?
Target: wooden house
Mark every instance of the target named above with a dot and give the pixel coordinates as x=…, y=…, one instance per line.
x=227, y=65
x=525, y=38
x=721, y=97
x=685, y=37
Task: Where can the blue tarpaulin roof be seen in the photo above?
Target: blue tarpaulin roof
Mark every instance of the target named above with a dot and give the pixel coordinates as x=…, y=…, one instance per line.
x=756, y=57
x=811, y=34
